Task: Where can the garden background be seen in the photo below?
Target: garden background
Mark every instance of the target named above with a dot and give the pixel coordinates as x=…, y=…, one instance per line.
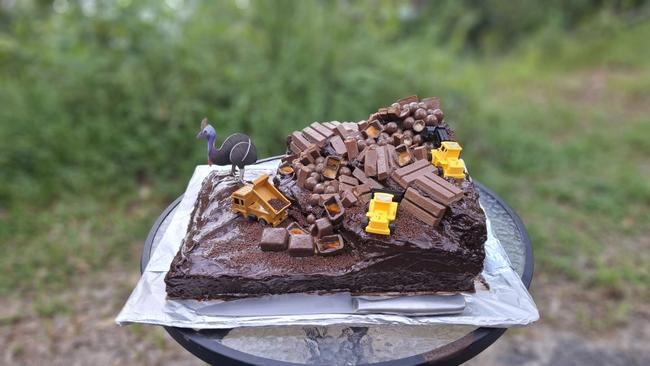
x=100, y=102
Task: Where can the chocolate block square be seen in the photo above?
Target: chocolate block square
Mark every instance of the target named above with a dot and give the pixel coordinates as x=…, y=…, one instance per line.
x=301, y=245
x=274, y=239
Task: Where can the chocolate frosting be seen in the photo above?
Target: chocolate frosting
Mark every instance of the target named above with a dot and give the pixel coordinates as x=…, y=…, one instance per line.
x=220, y=255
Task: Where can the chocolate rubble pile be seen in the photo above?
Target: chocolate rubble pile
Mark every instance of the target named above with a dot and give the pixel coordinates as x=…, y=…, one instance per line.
x=329, y=174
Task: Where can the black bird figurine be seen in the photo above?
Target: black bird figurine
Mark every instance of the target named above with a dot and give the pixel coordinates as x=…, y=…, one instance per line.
x=237, y=149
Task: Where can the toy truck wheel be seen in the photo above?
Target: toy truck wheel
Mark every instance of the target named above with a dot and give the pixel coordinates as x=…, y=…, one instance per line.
x=365, y=222
x=262, y=221
x=251, y=218
x=391, y=226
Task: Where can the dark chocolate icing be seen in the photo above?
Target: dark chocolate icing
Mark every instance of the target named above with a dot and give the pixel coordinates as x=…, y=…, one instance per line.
x=220, y=255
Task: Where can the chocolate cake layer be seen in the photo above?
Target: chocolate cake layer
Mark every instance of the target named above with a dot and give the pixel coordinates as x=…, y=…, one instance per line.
x=220, y=256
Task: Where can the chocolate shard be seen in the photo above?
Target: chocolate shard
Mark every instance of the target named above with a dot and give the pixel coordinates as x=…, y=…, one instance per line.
x=274, y=239
x=301, y=245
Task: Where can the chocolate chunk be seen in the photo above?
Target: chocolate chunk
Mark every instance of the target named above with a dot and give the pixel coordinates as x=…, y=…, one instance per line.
x=299, y=139
x=348, y=180
x=301, y=245
x=330, y=245
x=352, y=148
x=349, y=199
x=382, y=164
x=274, y=239
x=370, y=163
x=334, y=209
x=338, y=145
x=420, y=153
x=361, y=176
x=313, y=135
x=322, y=227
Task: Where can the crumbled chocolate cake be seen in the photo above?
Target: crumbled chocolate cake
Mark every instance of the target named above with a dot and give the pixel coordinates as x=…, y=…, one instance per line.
x=329, y=174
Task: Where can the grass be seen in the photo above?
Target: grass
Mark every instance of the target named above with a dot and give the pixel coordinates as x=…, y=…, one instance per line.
x=559, y=127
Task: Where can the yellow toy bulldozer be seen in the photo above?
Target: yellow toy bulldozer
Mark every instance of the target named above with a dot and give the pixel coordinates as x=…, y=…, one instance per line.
x=381, y=212
x=447, y=157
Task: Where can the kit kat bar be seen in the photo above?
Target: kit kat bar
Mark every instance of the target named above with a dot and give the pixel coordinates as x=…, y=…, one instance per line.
x=300, y=140
x=434, y=190
x=370, y=163
x=418, y=213
x=426, y=204
x=313, y=136
x=352, y=148
x=458, y=193
x=382, y=164
x=322, y=129
x=361, y=176
x=420, y=153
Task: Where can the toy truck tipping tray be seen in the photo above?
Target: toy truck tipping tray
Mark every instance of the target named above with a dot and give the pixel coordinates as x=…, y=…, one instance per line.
x=261, y=200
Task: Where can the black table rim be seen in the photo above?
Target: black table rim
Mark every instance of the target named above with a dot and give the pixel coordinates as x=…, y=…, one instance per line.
x=461, y=350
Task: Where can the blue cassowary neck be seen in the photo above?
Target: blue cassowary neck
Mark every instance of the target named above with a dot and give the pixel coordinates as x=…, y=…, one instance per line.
x=211, y=140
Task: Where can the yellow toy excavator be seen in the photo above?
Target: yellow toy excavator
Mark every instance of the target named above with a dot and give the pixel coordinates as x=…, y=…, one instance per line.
x=447, y=157
x=381, y=212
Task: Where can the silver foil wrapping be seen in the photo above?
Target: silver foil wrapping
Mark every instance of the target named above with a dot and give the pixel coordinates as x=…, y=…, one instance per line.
x=505, y=303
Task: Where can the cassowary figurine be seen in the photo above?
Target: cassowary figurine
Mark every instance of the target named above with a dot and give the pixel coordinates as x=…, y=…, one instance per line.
x=237, y=149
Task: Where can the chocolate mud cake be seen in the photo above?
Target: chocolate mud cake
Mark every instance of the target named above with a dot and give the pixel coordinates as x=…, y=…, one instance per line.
x=379, y=206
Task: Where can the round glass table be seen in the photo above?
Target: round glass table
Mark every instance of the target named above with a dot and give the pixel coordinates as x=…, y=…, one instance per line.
x=363, y=345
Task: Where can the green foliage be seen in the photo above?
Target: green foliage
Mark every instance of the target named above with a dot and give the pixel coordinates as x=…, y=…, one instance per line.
x=101, y=103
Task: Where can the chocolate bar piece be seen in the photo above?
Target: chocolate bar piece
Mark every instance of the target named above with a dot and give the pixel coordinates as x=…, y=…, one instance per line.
x=408, y=169
x=348, y=199
x=325, y=197
x=432, y=103
x=429, y=170
x=435, y=191
x=350, y=126
x=338, y=145
x=407, y=100
x=303, y=174
x=322, y=227
x=330, y=245
x=370, y=163
x=295, y=148
x=426, y=204
x=382, y=164
x=420, y=153
x=373, y=130
x=419, y=213
x=404, y=156
x=299, y=139
x=362, y=125
x=274, y=239
x=329, y=125
x=345, y=187
x=447, y=185
x=348, y=180
x=313, y=136
x=352, y=148
x=301, y=245
x=341, y=131
x=363, y=178
x=361, y=189
x=322, y=129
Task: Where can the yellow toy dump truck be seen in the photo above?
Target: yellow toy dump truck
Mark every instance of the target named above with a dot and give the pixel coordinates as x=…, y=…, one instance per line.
x=381, y=212
x=447, y=158
x=261, y=201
